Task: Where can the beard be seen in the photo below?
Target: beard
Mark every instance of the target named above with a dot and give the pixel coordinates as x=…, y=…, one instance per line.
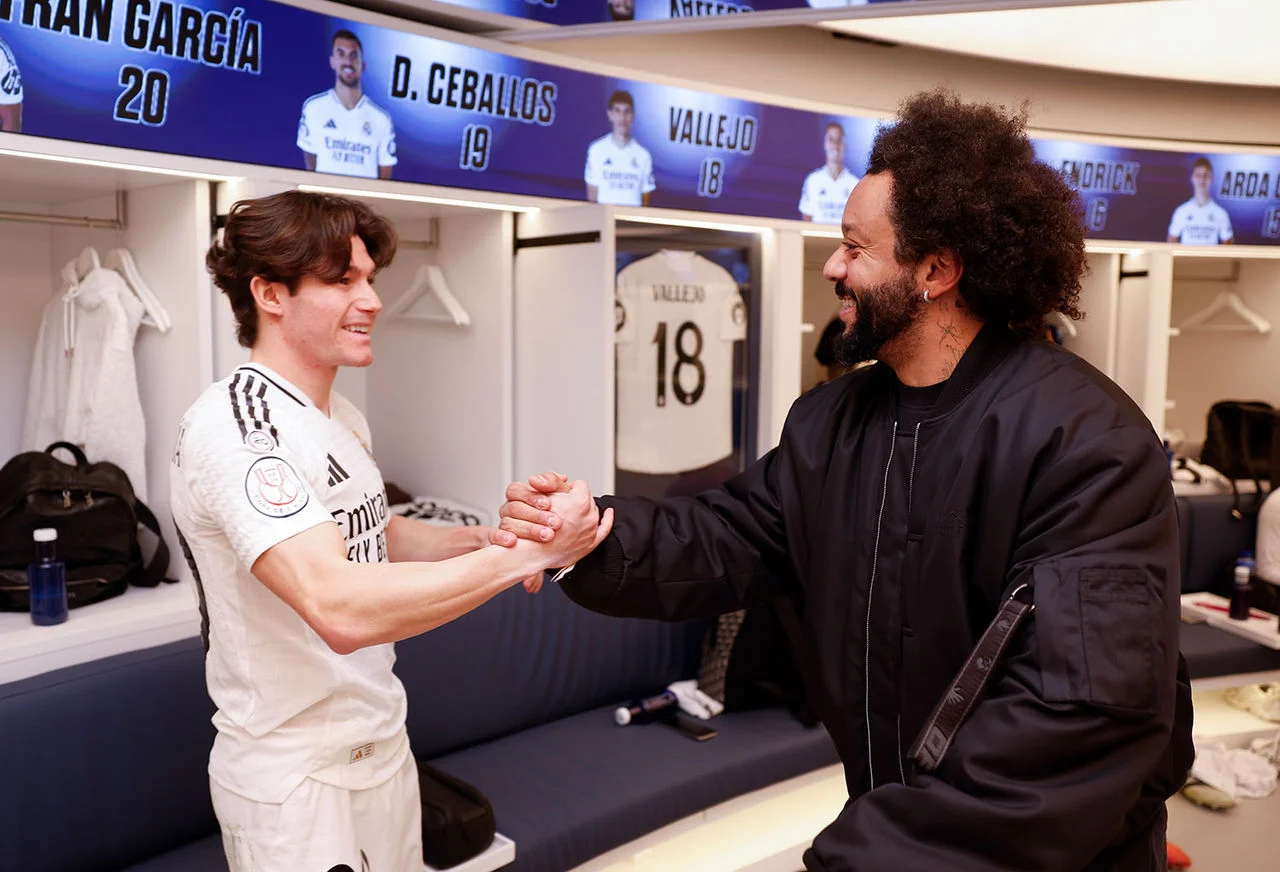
x=884, y=312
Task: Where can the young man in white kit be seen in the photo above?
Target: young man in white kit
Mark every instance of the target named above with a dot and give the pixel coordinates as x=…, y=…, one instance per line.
x=619, y=169
x=827, y=188
x=283, y=518
x=341, y=130
x=1200, y=220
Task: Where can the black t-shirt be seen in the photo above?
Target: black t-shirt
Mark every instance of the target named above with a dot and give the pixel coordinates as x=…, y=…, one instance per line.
x=914, y=405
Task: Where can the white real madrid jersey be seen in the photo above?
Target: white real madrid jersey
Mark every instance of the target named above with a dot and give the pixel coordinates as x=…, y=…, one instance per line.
x=823, y=198
x=351, y=142
x=677, y=317
x=620, y=174
x=10, y=77
x=1201, y=224
x=256, y=463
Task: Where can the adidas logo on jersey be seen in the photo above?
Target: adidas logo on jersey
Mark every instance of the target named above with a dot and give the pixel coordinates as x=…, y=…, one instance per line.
x=330, y=125
x=337, y=475
x=608, y=161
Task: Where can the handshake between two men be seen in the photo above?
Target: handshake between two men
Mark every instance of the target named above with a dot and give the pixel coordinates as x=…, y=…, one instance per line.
x=550, y=507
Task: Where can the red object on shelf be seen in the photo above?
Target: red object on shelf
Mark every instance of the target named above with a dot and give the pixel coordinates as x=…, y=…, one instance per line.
x=1178, y=858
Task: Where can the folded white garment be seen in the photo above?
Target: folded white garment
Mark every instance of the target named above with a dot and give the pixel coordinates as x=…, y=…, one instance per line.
x=443, y=512
x=694, y=702
x=1237, y=772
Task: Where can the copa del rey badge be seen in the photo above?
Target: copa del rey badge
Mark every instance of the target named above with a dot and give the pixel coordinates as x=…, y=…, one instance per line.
x=274, y=489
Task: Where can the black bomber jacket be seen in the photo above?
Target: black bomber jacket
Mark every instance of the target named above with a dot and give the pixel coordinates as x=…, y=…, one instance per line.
x=1031, y=468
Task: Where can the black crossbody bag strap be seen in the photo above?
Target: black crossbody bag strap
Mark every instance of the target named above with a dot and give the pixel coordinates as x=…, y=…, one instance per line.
x=154, y=571
x=967, y=687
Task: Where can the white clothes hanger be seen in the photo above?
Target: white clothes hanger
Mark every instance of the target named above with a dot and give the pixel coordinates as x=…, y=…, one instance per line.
x=87, y=261
x=120, y=260
x=1068, y=326
x=430, y=279
x=1227, y=301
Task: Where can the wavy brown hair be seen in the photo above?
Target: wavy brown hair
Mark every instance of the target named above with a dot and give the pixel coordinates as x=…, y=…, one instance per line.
x=286, y=237
x=965, y=178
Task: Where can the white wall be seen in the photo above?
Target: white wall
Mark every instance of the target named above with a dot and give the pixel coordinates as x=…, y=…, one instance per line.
x=781, y=342
x=29, y=286
x=439, y=395
x=1098, y=332
x=1206, y=366
x=820, y=306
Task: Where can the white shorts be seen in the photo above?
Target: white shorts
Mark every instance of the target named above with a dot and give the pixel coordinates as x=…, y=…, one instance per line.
x=322, y=828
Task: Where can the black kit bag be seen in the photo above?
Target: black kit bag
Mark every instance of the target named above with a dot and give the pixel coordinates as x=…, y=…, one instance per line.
x=1242, y=441
x=762, y=646
x=457, y=819
x=94, y=510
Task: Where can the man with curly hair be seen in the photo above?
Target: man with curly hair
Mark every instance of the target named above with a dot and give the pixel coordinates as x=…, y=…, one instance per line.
x=908, y=502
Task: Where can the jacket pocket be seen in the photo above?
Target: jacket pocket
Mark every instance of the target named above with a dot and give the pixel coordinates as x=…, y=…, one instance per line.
x=1095, y=628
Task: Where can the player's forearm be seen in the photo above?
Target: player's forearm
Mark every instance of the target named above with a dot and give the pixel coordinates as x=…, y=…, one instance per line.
x=413, y=540
x=359, y=605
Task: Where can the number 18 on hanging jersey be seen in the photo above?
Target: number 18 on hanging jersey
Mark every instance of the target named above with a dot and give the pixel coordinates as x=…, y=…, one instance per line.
x=677, y=316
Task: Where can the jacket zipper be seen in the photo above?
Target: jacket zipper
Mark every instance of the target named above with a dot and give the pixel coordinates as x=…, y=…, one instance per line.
x=871, y=588
x=911, y=486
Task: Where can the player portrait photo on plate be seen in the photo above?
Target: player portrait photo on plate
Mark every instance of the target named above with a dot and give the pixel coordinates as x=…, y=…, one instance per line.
x=341, y=130
x=619, y=169
x=1200, y=220
x=827, y=188
x=10, y=91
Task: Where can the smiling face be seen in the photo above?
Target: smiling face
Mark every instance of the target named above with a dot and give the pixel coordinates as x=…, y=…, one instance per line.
x=347, y=61
x=329, y=325
x=880, y=301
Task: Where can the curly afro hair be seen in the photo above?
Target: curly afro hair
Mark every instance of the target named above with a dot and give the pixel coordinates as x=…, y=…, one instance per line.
x=965, y=178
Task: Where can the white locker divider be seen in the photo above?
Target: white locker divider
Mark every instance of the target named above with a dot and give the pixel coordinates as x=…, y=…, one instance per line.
x=564, y=324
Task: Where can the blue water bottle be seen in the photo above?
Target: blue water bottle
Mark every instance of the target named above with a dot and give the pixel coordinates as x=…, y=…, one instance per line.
x=1241, y=588
x=47, y=577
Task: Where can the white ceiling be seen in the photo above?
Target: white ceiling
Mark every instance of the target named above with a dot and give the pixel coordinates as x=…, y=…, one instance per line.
x=1231, y=42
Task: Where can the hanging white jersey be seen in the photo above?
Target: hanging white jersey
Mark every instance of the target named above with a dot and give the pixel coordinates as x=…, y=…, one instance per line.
x=620, y=175
x=350, y=142
x=1201, y=224
x=84, y=380
x=823, y=198
x=10, y=78
x=257, y=463
x=677, y=316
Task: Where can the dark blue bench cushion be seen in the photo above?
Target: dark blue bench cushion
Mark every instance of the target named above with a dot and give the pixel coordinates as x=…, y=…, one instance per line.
x=1212, y=540
x=106, y=762
x=1211, y=652
x=573, y=789
x=203, y=856
x=520, y=660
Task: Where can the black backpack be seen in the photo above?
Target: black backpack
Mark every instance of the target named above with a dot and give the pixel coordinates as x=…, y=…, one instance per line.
x=93, y=508
x=457, y=819
x=1242, y=441
x=763, y=669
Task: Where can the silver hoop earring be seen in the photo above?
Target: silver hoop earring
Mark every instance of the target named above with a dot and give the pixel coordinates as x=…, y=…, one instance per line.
x=926, y=295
